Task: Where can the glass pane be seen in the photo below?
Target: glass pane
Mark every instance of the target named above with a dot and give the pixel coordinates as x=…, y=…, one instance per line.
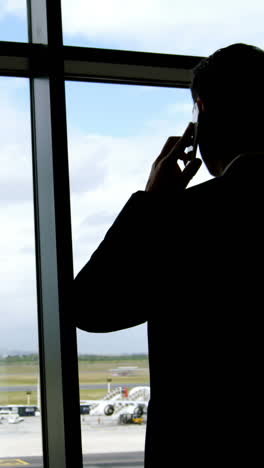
x=13, y=20
x=115, y=132
x=20, y=424
x=165, y=26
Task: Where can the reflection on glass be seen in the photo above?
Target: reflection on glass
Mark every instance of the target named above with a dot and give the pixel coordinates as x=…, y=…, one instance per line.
x=115, y=133
x=20, y=425
x=13, y=20
x=163, y=26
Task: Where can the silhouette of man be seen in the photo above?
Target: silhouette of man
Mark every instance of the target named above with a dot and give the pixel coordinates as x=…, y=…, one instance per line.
x=189, y=261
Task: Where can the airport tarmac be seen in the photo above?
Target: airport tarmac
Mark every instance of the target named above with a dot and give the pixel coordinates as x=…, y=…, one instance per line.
x=100, y=435
x=106, y=460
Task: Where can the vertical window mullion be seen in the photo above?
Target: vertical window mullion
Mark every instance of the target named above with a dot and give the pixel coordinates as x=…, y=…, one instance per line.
x=58, y=348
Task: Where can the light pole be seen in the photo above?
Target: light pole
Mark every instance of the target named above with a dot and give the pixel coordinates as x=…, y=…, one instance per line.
x=109, y=380
x=28, y=397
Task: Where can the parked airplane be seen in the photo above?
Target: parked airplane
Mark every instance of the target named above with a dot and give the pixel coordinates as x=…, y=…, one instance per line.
x=114, y=404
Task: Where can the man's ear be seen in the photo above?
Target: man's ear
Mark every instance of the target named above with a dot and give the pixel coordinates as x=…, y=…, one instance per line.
x=200, y=105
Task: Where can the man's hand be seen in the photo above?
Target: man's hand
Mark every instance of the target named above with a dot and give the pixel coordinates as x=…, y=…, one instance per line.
x=166, y=176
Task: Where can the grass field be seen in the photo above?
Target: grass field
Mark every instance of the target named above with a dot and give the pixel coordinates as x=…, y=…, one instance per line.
x=15, y=374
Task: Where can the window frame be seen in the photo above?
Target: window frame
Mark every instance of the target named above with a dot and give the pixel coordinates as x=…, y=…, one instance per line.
x=48, y=64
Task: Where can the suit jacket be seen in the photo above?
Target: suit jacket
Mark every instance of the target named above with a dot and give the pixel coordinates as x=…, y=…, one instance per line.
x=192, y=267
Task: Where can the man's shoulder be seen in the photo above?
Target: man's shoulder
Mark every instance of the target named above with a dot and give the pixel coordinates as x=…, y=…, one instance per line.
x=212, y=185
x=142, y=203
x=204, y=194
x=209, y=186
x=196, y=199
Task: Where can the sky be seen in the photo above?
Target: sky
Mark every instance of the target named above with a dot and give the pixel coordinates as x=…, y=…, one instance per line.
x=114, y=134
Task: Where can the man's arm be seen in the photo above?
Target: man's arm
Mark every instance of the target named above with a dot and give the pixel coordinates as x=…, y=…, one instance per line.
x=110, y=292
x=114, y=288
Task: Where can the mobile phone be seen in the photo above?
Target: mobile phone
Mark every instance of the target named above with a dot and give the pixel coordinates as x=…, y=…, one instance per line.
x=195, y=119
x=191, y=150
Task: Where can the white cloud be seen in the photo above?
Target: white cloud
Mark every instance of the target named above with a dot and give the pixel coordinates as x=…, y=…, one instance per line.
x=15, y=137
x=17, y=260
x=12, y=7
x=124, y=166
x=16, y=191
x=17, y=277
x=164, y=26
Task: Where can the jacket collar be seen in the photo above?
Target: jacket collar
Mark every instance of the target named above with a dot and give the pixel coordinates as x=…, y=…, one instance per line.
x=246, y=163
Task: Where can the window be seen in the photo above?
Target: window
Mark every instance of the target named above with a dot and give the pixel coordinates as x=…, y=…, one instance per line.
x=114, y=134
x=19, y=357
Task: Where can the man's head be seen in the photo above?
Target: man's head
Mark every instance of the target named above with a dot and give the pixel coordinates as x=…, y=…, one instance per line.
x=229, y=89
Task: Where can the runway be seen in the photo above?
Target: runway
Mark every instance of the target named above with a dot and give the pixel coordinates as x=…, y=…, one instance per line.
x=105, y=460
x=32, y=388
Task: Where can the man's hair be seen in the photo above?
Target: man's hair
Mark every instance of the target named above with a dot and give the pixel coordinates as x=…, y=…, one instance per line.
x=234, y=73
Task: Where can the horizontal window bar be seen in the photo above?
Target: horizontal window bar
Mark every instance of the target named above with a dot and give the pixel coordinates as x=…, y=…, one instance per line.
x=122, y=73
x=23, y=59
x=87, y=64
